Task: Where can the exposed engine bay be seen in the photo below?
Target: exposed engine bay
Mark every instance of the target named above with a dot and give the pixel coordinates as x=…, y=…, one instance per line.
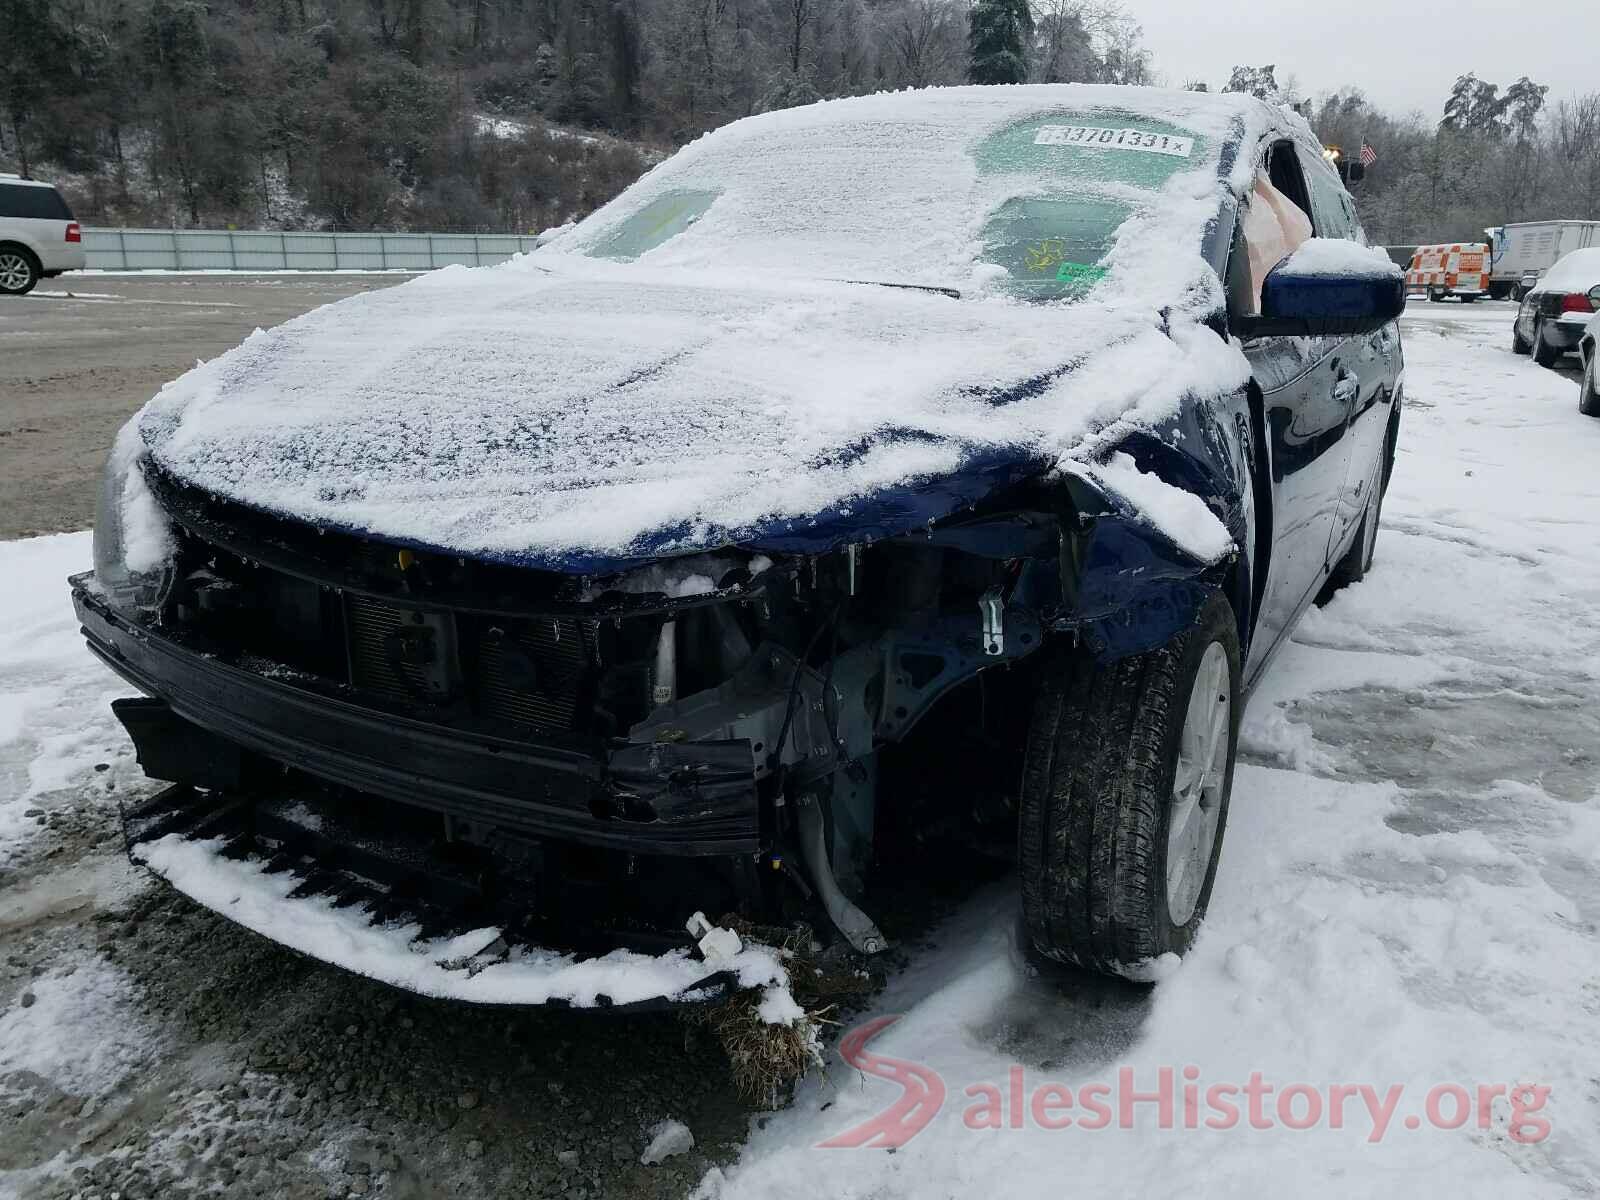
x=585, y=761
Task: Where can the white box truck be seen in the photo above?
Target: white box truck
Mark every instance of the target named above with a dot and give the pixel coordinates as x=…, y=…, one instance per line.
x=1523, y=252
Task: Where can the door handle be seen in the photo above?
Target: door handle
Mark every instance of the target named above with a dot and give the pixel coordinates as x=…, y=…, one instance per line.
x=1346, y=387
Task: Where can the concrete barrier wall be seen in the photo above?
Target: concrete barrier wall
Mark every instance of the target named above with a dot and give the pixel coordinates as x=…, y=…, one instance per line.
x=230, y=250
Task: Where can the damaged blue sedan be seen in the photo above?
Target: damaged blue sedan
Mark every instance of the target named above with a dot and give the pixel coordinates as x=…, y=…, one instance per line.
x=954, y=457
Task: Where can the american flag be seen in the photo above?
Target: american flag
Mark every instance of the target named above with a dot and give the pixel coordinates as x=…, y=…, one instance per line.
x=1368, y=155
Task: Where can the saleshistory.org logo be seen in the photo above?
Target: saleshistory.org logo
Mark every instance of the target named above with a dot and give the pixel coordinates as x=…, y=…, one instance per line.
x=1176, y=1098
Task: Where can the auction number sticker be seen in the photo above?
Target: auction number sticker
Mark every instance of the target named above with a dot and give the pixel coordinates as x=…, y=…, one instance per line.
x=1099, y=138
x=1071, y=272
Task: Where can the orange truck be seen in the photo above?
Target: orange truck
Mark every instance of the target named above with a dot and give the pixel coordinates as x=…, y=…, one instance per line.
x=1453, y=269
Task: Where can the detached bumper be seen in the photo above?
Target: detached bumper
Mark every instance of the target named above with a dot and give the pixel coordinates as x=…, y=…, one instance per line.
x=271, y=867
x=673, y=798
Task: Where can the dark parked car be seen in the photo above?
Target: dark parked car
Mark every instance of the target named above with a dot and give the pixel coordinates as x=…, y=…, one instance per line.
x=1552, y=317
x=995, y=437
x=1589, y=353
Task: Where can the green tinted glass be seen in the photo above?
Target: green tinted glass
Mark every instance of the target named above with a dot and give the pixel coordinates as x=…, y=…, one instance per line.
x=657, y=222
x=1051, y=249
x=1051, y=245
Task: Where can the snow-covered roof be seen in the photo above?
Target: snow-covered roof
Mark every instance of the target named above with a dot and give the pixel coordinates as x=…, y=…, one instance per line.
x=1575, y=272
x=726, y=377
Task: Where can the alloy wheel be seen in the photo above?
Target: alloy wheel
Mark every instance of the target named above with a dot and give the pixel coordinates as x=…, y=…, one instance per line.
x=1197, y=784
x=14, y=272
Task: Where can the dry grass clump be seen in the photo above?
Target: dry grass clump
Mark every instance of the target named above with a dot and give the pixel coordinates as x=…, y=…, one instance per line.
x=767, y=1060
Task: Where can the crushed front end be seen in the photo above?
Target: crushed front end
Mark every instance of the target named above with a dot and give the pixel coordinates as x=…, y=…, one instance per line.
x=476, y=752
x=499, y=764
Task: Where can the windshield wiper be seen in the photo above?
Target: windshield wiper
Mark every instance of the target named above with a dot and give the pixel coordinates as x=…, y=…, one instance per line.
x=909, y=287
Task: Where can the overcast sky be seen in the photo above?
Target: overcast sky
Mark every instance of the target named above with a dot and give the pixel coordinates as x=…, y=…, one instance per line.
x=1404, y=54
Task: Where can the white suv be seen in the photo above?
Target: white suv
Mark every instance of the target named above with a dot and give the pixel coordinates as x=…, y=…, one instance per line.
x=38, y=237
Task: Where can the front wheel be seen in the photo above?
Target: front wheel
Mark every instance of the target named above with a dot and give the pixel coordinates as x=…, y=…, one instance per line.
x=1519, y=344
x=18, y=272
x=1125, y=788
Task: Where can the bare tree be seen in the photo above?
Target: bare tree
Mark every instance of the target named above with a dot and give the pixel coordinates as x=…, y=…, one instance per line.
x=1120, y=44
x=799, y=15
x=926, y=40
x=1575, y=132
x=1064, y=42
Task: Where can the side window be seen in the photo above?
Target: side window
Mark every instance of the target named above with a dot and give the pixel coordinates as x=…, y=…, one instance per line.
x=1354, y=219
x=658, y=222
x=1274, y=220
x=1283, y=168
x=20, y=200
x=1330, y=203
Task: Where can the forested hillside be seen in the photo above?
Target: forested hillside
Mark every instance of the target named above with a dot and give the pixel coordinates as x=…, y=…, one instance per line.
x=438, y=113
x=521, y=114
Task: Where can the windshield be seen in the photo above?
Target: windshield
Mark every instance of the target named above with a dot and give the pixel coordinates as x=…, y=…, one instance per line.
x=1091, y=173
x=940, y=192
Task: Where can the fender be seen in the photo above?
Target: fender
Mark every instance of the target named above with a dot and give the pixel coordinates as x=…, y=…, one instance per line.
x=1093, y=566
x=1127, y=587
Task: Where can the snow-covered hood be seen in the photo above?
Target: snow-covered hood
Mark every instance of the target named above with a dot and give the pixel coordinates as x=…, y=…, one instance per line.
x=581, y=413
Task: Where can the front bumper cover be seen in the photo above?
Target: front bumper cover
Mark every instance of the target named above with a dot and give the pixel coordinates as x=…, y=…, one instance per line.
x=272, y=867
x=675, y=798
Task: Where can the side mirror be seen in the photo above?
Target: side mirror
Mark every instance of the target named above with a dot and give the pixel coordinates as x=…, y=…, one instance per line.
x=1328, y=288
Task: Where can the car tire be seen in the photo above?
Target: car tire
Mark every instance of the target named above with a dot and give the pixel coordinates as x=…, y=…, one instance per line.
x=1544, y=353
x=1116, y=754
x=1357, y=560
x=19, y=270
x=1469, y=299
x=1519, y=344
x=1433, y=296
x=1589, y=389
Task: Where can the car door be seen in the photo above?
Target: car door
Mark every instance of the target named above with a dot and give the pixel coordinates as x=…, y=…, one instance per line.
x=1305, y=386
x=1366, y=370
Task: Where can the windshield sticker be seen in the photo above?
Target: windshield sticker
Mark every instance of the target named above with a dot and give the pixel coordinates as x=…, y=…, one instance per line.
x=1045, y=256
x=1071, y=272
x=1098, y=138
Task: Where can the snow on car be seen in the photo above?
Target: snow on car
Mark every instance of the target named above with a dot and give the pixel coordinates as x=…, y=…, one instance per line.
x=570, y=597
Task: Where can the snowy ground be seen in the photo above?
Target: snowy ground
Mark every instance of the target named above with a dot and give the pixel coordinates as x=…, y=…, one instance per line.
x=1408, y=898
x=1408, y=892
